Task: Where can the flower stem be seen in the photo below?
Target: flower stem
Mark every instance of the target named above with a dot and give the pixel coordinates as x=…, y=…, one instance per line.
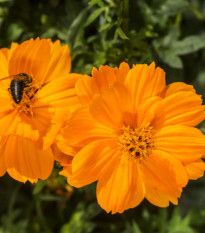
x=41, y=217
x=126, y=17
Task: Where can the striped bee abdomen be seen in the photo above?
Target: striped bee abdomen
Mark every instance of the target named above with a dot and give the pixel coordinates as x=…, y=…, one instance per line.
x=17, y=88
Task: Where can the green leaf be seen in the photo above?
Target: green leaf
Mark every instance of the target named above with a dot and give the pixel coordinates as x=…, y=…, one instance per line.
x=39, y=186
x=5, y=1
x=173, y=7
x=189, y=44
x=14, y=31
x=119, y=32
x=106, y=26
x=179, y=225
x=197, y=13
x=75, y=26
x=170, y=58
x=94, y=15
x=94, y=2
x=135, y=228
x=50, y=197
x=77, y=224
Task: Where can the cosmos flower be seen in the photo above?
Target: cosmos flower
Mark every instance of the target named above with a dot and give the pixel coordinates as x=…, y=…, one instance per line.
x=30, y=120
x=136, y=138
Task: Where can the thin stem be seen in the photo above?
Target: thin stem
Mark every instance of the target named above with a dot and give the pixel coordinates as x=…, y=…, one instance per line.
x=126, y=16
x=13, y=199
x=41, y=217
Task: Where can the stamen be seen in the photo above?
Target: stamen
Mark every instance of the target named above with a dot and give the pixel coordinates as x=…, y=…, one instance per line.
x=136, y=144
x=28, y=98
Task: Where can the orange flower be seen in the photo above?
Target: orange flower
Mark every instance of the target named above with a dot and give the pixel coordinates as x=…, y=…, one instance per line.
x=136, y=138
x=33, y=108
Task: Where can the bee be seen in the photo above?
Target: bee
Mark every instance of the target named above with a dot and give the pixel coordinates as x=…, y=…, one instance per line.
x=18, y=84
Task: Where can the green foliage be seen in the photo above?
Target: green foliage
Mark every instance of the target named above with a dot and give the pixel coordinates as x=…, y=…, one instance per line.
x=99, y=32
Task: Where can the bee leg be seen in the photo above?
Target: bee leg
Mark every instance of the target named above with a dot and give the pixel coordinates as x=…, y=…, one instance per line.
x=27, y=89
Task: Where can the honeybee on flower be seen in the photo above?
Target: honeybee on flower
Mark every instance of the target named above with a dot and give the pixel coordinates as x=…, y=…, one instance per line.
x=36, y=92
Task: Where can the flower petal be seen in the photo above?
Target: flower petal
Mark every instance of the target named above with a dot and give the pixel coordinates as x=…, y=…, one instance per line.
x=113, y=108
x=60, y=62
x=12, y=123
x=82, y=128
x=163, y=171
x=60, y=92
x=162, y=199
x=180, y=108
x=8, y=52
x=178, y=87
x=145, y=81
x=3, y=66
x=29, y=56
x=184, y=142
x=122, y=189
x=146, y=111
x=60, y=156
x=67, y=171
x=22, y=158
x=101, y=80
x=93, y=162
x=124, y=68
x=2, y=162
x=195, y=169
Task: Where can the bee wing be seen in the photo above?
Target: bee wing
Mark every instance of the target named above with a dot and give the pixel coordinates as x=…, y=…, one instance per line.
x=11, y=76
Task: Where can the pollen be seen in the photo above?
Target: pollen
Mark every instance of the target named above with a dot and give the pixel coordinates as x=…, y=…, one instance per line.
x=28, y=99
x=136, y=144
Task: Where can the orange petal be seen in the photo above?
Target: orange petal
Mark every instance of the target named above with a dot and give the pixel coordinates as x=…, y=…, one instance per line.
x=86, y=88
x=3, y=66
x=145, y=81
x=29, y=56
x=196, y=169
x=42, y=122
x=2, y=164
x=5, y=97
x=184, y=142
x=163, y=171
x=146, y=111
x=124, y=68
x=180, y=108
x=101, y=80
x=178, y=87
x=8, y=52
x=122, y=188
x=82, y=129
x=67, y=171
x=24, y=161
x=60, y=156
x=113, y=108
x=65, y=147
x=12, y=123
x=94, y=161
x=60, y=92
x=162, y=199
x=59, y=63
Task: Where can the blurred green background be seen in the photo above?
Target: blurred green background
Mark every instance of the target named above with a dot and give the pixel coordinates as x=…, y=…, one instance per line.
x=99, y=32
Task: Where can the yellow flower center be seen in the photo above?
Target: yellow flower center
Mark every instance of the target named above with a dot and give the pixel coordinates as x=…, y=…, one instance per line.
x=136, y=144
x=27, y=93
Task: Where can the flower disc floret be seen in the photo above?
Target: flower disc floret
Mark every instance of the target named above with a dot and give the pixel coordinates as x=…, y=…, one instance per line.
x=136, y=144
x=29, y=97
